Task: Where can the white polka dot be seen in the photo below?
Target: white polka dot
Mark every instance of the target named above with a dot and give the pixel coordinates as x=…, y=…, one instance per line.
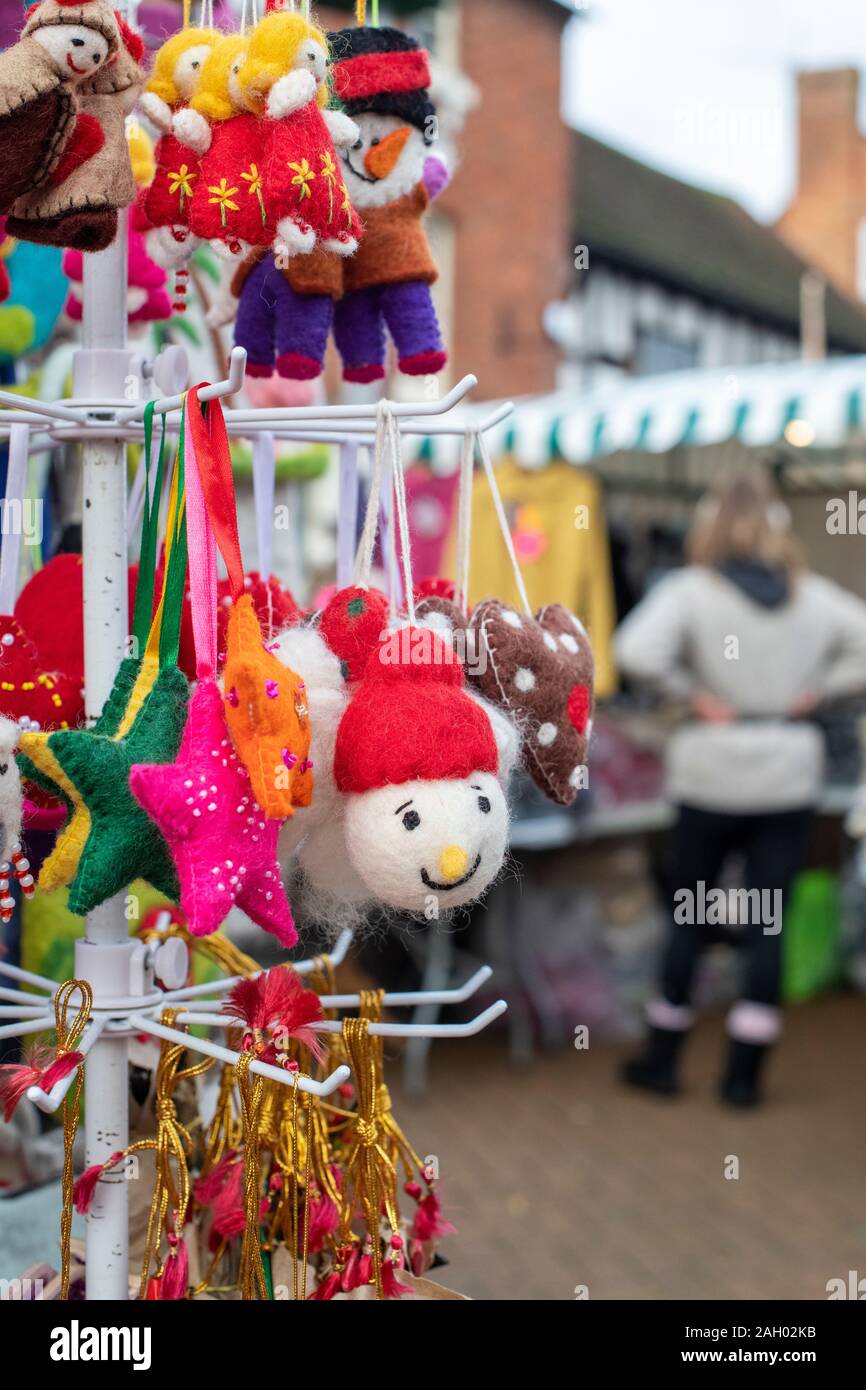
x=524, y=679
x=546, y=734
x=549, y=642
x=512, y=619
x=568, y=642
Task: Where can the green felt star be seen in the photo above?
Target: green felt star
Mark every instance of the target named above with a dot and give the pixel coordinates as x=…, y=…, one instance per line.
x=108, y=723
x=123, y=844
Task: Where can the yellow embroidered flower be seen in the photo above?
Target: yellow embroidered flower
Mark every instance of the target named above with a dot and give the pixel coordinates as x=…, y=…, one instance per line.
x=254, y=179
x=223, y=195
x=346, y=205
x=304, y=176
x=329, y=173
x=180, y=180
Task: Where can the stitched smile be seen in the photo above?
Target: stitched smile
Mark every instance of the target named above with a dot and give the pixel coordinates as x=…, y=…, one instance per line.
x=446, y=887
x=362, y=177
x=69, y=63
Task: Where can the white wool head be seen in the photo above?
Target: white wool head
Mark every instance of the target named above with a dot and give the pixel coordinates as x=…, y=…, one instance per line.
x=10, y=787
x=428, y=846
x=386, y=162
x=78, y=51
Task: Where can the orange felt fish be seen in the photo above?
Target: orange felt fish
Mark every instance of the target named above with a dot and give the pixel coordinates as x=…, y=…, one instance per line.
x=267, y=715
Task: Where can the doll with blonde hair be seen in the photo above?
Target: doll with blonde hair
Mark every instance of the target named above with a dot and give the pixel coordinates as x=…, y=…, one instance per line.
x=165, y=205
x=283, y=80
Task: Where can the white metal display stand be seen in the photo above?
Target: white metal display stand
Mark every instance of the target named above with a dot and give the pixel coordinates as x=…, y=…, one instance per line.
x=132, y=982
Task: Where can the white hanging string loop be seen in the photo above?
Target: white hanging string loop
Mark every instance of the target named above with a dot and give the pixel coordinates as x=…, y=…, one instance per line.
x=503, y=521
x=364, y=556
x=264, y=482
x=13, y=515
x=463, y=547
x=392, y=430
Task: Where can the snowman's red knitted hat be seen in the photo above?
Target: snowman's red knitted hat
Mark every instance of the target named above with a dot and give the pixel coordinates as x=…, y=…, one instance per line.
x=410, y=719
x=384, y=71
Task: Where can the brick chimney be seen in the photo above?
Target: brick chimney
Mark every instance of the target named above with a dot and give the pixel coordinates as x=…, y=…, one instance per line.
x=823, y=220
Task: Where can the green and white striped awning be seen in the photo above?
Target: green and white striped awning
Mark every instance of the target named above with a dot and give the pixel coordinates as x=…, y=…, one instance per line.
x=804, y=405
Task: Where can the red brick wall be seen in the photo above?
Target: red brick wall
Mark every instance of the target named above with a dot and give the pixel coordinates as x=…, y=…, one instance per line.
x=823, y=218
x=512, y=198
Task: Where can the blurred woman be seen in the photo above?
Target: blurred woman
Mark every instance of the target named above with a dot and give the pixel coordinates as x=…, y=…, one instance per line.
x=753, y=643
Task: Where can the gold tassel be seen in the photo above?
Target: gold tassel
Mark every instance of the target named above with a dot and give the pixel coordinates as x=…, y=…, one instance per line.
x=67, y=1036
x=173, y=1141
x=253, y=1284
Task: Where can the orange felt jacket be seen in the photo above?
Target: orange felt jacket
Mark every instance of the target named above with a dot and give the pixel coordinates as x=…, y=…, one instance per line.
x=395, y=247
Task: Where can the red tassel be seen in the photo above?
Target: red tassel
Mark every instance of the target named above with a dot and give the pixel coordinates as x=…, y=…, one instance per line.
x=207, y=1189
x=85, y=1187
x=175, y=1274
x=14, y=1085
x=324, y=1220
x=36, y=1070
x=327, y=1289
x=391, y=1286
x=276, y=1002
x=60, y=1067
x=429, y=1223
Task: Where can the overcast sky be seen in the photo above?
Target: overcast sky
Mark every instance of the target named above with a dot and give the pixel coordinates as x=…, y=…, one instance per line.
x=706, y=90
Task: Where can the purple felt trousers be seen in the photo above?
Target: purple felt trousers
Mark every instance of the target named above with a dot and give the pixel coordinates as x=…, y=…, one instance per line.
x=360, y=320
x=273, y=320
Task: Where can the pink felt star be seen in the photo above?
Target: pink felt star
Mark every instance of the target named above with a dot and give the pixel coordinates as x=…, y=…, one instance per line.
x=224, y=849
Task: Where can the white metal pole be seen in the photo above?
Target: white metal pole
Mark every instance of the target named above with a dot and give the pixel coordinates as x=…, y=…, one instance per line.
x=101, y=370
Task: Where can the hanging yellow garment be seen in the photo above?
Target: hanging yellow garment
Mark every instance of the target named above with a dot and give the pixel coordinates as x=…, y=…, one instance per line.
x=557, y=521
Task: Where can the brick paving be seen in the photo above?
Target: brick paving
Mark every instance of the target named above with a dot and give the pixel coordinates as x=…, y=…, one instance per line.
x=557, y=1177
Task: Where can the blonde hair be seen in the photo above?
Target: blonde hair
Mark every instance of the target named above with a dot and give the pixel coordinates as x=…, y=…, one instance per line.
x=162, y=82
x=212, y=99
x=273, y=48
x=141, y=157
x=742, y=517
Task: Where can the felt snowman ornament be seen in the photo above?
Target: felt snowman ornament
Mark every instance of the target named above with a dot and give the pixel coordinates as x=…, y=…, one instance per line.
x=381, y=76
x=283, y=80
x=61, y=46
x=166, y=202
x=93, y=180
x=426, y=819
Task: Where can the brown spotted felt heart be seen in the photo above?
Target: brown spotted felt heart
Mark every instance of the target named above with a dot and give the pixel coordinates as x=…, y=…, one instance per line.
x=540, y=672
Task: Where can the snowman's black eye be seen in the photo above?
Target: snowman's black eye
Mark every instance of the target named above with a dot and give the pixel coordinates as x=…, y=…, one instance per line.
x=483, y=804
x=359, y=144
x=375, y=140
x=411, y=820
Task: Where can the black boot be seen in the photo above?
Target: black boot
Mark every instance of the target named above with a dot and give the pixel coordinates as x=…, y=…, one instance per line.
x=740, y=1082
x=655, y=1069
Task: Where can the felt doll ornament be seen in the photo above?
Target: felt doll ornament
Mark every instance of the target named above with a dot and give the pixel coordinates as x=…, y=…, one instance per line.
x=283, y=80
x=78, y=207
x=227, y=206
x=61, y=46
x=382, y=76
x=166, y=203
x=223, y=848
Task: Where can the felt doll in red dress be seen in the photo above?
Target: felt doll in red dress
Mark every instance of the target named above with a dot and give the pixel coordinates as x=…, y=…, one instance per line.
x=166, y=203
x=283, y=79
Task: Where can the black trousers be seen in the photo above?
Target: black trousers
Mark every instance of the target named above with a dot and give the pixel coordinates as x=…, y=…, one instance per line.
x=773, y=846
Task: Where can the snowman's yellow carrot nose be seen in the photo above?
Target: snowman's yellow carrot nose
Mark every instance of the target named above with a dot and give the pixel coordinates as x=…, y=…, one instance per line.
x=453, y=863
